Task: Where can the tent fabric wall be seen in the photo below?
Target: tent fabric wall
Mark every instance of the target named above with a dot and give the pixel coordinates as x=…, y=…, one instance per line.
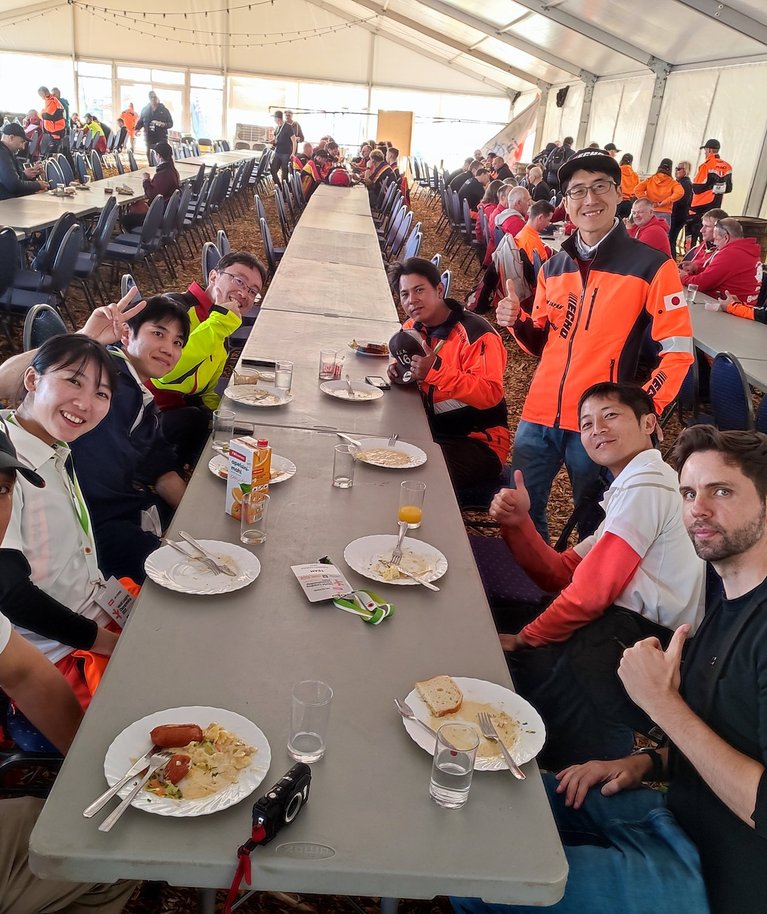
x=619, y=111
x=562, y=122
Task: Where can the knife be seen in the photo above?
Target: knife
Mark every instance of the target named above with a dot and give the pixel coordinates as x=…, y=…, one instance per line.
x=207, y=558
x=105, y=797
x=415, y=577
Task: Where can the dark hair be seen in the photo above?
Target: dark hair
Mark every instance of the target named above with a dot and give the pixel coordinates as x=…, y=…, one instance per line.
x=481, y=171
x=159, y=307
x=245, y=259
x=745, y=450
x=568, y=141
x=491, y=191
x=636, y=398
x=468, y=161
x=627, y=158
x=540, y=208
x=164, y=151
x=73, y=350
x=413, y=266
x=394, y=150
x=474, y=166
x=715, y=214
x=278, y=114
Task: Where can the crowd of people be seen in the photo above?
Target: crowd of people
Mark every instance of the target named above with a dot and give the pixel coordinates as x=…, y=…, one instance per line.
x=664, y=555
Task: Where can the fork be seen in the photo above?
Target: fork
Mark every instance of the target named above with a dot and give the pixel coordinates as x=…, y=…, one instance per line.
x=396, y=556
x=393, y=439
x=352, y=394
x=487, y=727
x=206, y=556
x=157, y=761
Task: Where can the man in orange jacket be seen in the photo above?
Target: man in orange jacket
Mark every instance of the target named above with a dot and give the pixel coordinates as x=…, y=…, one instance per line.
x=54, y=122
x=661, y=190
x=594, y=302
x=711, y=182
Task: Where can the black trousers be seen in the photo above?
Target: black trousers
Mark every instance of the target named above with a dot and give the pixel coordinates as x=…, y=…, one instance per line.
x=469, y=461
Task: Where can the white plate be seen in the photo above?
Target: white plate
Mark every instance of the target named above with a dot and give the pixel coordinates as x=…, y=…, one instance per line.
x=219, y=465
x=168, y=568
x=134, y=741
x=371, y=355
x=340, y=391
x=248, y=394
x=532, y=730
x=416, y=455
x=360, y=555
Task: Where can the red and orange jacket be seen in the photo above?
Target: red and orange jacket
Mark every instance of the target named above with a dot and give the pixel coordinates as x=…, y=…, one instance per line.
x=661, y=190
x=655, y=233
x=736, y=268
x=52, y=114
x=629, y=180
x=713, y=174
x=590, y=331
x=751, y=314
x=463, y=391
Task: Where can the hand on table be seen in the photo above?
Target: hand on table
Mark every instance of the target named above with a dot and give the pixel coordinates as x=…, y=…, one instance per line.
x=508, y=308
x=510, y=507
x=614, y=774
x=420, y=365
x=44, y=185
x=106, y=324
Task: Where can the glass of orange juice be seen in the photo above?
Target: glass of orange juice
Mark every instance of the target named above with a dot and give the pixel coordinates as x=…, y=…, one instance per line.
x=411, y=496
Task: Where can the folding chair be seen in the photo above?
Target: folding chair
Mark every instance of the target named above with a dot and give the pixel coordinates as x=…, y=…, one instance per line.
x=41, y=323
x=210, y=258
x=731, y=402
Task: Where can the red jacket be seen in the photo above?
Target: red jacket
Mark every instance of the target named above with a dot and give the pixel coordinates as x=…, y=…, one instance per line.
x=654, y=233
x=736, y=268
x=164, y=182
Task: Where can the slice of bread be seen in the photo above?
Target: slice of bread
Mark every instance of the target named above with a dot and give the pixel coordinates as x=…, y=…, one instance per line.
x=441, y=695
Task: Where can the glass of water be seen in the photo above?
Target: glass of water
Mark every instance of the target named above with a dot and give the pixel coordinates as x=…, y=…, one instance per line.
x=283, y=375
x=309, y=719
x=343, y=466
x=223, y=429
x=453, y=765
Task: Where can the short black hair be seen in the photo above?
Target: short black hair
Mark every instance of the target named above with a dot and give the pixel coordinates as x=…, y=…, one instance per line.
x=246, y=259
x=73, y=350
x=745, y=450
x=632, y=395
x=540, y=208
x=278, y=114
x=413, y=266
x=394, y=151
x=159, y=307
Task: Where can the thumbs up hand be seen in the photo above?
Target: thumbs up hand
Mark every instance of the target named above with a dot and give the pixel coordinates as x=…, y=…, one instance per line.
x=510, y=507
x=651, y=675
x=507, y=311
x=420, y=365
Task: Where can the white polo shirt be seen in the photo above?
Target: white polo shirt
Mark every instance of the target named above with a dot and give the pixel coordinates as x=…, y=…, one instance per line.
x=643, y=507
x=5, y=633
x=52, y=528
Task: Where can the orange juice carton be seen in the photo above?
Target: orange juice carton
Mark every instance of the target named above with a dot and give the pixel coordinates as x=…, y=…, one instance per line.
x=250, y=462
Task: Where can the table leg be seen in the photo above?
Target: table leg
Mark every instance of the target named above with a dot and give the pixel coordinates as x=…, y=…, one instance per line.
x=389, y=905
x=207, y=899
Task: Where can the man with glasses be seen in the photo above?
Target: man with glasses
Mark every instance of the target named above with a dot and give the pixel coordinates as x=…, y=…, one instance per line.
x=187, y=395
x=594, y=302
x=734, y=268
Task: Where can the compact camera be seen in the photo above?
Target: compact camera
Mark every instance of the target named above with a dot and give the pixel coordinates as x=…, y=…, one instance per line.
x=280, y=805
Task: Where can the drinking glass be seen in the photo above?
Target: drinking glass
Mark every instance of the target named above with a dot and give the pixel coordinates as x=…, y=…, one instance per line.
x=343, y=466
x=692, y=291
x=453, y=765
x=411, y=495
x=253, y=518
x=283, y=375
x=309, y=718
x=327, y=364
x=223, y=429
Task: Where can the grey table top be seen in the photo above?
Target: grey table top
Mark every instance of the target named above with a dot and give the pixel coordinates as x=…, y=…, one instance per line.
x=222, y=159
x=244, y=651
x=756, y=372
x=717, y=331
x=337, y=247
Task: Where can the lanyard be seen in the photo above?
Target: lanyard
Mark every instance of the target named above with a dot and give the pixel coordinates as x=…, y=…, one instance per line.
x=68, y=477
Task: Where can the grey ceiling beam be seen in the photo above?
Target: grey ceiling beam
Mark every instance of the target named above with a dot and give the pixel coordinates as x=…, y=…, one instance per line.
x=582, y=27
x=738, y=22
x=459, y=46
x=409, y=45
x=492, y=31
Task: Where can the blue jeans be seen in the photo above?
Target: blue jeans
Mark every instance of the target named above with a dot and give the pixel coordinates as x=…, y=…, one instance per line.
x=540, y=451
x=626, y=853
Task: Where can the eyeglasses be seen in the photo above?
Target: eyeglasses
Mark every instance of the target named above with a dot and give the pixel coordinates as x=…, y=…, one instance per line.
x=600, y=188
x=241, y=284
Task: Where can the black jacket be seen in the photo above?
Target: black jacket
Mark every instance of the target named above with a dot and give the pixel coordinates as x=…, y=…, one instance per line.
x=12, y=180
x=156, y=124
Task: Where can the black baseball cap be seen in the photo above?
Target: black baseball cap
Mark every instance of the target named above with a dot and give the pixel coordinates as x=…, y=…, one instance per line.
x=711, y=144
x=14, y=130
x=611, y=147
x=8, y=461
x=598, y=160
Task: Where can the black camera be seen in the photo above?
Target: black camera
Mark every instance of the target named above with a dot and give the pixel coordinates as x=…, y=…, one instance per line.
x=280, y=805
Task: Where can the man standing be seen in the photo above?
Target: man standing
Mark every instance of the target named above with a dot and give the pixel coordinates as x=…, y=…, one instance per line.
x=612, y=150
x=296, y=127
x=16, y=181
x=155, y=121
x=284, y=146
x=649, y=228
x=582, y=336
x=712, y=181
x=52, y=114
x=130, y=119
x=680, y=211
x=56, y=93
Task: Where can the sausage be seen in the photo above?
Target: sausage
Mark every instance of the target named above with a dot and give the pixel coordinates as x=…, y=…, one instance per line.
x=177, y=768
x=169, y=736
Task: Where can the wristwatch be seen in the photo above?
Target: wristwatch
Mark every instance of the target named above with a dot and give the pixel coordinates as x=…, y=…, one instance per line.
x=656, y=772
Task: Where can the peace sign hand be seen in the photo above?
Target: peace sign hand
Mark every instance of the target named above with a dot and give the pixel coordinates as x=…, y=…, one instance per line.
x=106, y=324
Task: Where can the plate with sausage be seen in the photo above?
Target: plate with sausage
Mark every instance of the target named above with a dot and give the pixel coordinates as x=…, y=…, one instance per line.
x=218, y=758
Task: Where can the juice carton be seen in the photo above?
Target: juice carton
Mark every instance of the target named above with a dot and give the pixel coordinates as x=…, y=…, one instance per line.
x=249, y=469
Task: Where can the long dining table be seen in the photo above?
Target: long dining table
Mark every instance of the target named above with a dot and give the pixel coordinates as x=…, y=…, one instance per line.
x=369, y=827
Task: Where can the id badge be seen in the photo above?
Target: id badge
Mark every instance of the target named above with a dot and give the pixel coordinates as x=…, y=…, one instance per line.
x=115, y=600
x=719, y=188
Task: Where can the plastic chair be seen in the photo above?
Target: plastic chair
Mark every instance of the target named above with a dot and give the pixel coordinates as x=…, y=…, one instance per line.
x=82, y=167
x=132, y=161
x=413, y=243
x=53, y=173
x=731, y=402
x=88, y=262
x=210, y=258
x=118, y=163
x=41, y=323
x=127, y=282
x=123, y=248
x=447, y=280
x=98, y=171
x=222, y=242
x=273, y=255
x=65, y=168
x=761, y=416
x=437, y=260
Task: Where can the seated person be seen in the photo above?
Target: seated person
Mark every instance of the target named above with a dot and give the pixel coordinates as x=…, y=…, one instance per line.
x=134, y=500
x=315, y=171
x=489, y=205
x=334, y=152
x=360, y=163
x=50, y=577
x=500, y=169
x=457, y=177
x=539, y=189
x=96, y=131
x=696, y=258
x=462, y=384
x=513, y=217
x=377, y=176
x=699, y=847
x=636, y=576
x=392, y=160
x=165, y=183
x=16, y=180
x=473, y=190
x=662, y=190
x=300, y=159
x=735, y=267
x=647, y=227
x=187, y=395
x=528, y=239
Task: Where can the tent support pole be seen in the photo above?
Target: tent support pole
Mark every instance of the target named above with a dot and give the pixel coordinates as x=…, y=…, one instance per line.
x=588, y=96
x=659, y=90
x=541, y=122
x=757, y=193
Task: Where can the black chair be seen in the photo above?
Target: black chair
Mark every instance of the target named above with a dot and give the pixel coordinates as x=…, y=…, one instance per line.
x=761, y=416
x=9, y=253
x=132, y=161
x=65, y=168
x=53, y=174
x=98, y=171
x=413, y=243
x=273, y=254
x=181, y=230
x=118, y=163
x=43, y=260
x=89, y=261
x=82, y=167
x=447, y=280
x=210, y=258
x=686, y=402
x=122, y=249
x=127, y=282
x=222, y=242
x=41, y=323
x=731, y=402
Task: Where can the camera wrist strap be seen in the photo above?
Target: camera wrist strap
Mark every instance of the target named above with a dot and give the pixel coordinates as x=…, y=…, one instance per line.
x=243, y=870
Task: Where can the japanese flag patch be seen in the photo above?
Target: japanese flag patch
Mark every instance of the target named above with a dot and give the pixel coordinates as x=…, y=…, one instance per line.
x=674, y=301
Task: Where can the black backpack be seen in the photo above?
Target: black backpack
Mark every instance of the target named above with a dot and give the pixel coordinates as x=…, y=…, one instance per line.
x=558, y=157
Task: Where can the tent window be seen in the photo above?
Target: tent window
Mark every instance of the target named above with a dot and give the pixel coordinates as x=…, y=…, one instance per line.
x=87, y=68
